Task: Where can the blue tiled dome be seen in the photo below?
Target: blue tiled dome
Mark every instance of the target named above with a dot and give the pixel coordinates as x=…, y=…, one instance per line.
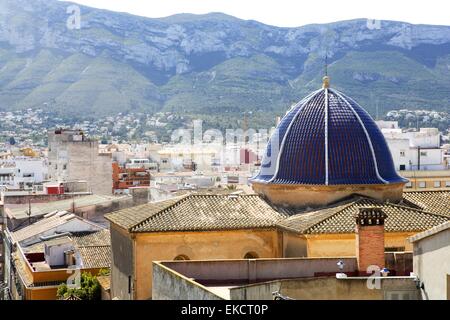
x=327, y=139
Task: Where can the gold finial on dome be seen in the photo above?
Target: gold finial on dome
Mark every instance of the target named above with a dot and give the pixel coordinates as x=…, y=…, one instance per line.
x=326, y=82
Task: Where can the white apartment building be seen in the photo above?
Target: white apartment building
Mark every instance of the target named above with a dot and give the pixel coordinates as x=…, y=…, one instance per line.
x=418, y=150
x=23, y=172
x=29, y=171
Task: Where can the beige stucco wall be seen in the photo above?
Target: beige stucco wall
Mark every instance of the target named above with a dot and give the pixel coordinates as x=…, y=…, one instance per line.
x=301, y=196
x=335, y=245
x=294, y=245
x=232, y=244
x=332, y=245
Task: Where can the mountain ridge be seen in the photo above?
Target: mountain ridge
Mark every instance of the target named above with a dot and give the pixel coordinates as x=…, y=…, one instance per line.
x=212, y=63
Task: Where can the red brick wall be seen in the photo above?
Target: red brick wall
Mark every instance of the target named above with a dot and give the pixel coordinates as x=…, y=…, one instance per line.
x=369, y=246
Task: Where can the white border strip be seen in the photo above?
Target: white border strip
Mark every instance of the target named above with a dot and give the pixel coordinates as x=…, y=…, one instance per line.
x=365, y=131
x=305, y=101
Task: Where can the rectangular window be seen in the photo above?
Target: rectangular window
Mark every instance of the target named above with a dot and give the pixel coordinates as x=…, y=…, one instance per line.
x=422, y=184
x=129, y=284
x=402, y=167
x=402, y=153
x=423, y=153
x=437, y=184
x=447, y=184
x=409, y=184
x=394, y=249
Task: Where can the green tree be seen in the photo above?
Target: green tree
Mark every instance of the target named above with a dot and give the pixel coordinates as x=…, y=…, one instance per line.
x=88, y=290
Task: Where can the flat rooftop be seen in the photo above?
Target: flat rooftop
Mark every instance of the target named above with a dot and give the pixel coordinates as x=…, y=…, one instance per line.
x=39, y=209
x=296, y=278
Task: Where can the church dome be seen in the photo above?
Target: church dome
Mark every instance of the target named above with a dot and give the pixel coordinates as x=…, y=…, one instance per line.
x=327, y=139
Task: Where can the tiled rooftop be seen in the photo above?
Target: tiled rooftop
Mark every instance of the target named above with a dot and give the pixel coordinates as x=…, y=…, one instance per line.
x=94, y=248
x=220, y=212
x=341, y=218
x=199, y=212
x=431, y=201
x=95, y=256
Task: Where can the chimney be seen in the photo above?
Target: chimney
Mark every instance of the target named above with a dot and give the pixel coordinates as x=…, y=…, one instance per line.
x=370, y=238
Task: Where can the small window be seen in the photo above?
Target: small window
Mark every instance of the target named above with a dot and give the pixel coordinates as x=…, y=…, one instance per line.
x=423, y=153
x=402, y=153
x=402, y=167
x=409, y=184
x=437, y=184
x=181, y=257
x=422, y=184
x=251, y=255
x=447, y=184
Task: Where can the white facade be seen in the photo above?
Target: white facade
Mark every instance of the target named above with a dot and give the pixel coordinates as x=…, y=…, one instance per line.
x=7, y=176
x=29, y=171
x=415, y=150
x=23, y=172
x=431, y=262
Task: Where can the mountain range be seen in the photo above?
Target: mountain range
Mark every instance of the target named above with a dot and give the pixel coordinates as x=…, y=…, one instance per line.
x=210, y=65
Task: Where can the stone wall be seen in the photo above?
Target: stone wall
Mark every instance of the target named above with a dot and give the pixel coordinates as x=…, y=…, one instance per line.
x=327, y=288
x=174, y=286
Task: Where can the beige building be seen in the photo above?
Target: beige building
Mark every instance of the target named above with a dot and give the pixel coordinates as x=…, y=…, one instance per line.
x=198, y=227
x=427, y=180
x=74, y=157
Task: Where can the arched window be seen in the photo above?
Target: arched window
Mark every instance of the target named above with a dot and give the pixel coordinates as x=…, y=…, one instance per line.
x=251, y=255
x=181, y=257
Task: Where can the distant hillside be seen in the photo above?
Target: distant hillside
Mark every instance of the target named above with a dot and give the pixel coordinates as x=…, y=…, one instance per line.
x=211, y=64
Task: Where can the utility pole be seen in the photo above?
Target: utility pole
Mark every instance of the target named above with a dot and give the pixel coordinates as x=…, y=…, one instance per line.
x=418, y=158
x=29, y=207
x=73, y=202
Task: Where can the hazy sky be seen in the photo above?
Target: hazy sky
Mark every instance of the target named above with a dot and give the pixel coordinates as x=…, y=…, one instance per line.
x=290, y=13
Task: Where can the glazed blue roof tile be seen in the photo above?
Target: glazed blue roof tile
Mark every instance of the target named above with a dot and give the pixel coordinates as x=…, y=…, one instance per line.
x=327, y=139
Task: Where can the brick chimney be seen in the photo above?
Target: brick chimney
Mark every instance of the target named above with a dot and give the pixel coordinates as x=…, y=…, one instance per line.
x=370, y=238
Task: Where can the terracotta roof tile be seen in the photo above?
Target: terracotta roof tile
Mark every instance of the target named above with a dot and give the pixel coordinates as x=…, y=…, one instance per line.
x=204, y=212
x=95, y=256
x=432, y=201
x=199, y=212
x=340, y=219
x=132, y=216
